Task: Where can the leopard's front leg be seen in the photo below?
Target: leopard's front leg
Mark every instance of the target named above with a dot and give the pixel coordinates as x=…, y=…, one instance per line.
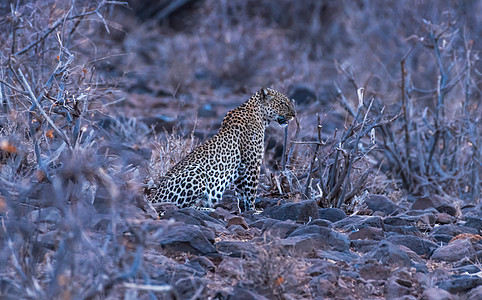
x=247, y=185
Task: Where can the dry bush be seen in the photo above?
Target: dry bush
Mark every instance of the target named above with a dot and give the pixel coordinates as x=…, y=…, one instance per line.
x=62, y=234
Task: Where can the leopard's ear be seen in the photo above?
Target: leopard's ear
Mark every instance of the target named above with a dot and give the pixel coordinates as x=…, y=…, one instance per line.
x=264, y=92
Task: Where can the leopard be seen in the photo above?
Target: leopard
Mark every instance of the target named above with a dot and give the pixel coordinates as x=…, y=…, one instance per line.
x=232, y=156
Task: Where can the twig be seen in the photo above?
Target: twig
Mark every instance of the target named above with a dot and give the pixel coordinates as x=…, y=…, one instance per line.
x=43, y=113
x=61, y=21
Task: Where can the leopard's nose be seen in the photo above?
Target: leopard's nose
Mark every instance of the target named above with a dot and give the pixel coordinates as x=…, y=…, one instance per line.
x=282, y=120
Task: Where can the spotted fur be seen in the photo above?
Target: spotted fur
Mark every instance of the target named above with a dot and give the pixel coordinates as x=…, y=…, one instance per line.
x=234, y=154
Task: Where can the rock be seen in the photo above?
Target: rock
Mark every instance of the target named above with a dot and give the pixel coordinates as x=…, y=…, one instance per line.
x=388, y=253
x=357, y=222
x=216, y=227
x=454, y=251
x=302, y=94
x=306, y=243
x=443, y=218
x=472, y=211
x=198, y=214
x=436, y=294
x=474, y=223
x=475, y=294
x=400, y=285
x=403, y=230
x=370, y=233
x=179, y=237
x=382, y=203
x=336, y=240
x=373, y=271
x=244, y=294
x=363, y=246
x=443, y=238
x=470, y=269
x=231, y=267
x=396, y=288
x=325, y=270
x=331, y=214
x=460, y=283
x=204, y=263
x=302, y=211
x=321, y=222
x=321, y=288
x=467, y=236
x=181, y=217
x=238, y=230
x=276, y=228
x=187, y=287
x=237, y=220
x=453, y=230
x=237, y=249
x=336, y=255
x=418, y=245
x=399, y=221
x=437, y=202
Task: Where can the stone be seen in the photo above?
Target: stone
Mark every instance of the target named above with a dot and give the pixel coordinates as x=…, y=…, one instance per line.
x=370, y=233
x=453, y=230
x=390, y=254
x=204, y=263
x=187, y=287
x=443, y=238
x=382, y=203
x=470, y=269
x=321, y=288
x=443, y=218
x=306, y=243
x=436, y=294
x=237, y=248
x=237, y=220
x=331, y=214
x=400, y=285
x=357, y=222
x=363, y=246
x=403, y=230
x=435, y=201
x=321, y=222
x=475, y=294
x=179, y=237
x=454, y=251
x=373, y=271
x=231, y=267
x=336, y=255
x=244, y=294
x=323, y=268
x=418, y=245
x=276, y=228
x=303, y=211
x=474, y=223
x=460, y=283
x=399, y=221
x=178, y=216
x=336, y=240
x=396, y=288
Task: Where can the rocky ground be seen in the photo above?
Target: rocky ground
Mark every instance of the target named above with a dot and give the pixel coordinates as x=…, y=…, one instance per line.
x=422, y=248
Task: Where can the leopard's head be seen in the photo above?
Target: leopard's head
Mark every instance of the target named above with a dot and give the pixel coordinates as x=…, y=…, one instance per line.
x=276, y=107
